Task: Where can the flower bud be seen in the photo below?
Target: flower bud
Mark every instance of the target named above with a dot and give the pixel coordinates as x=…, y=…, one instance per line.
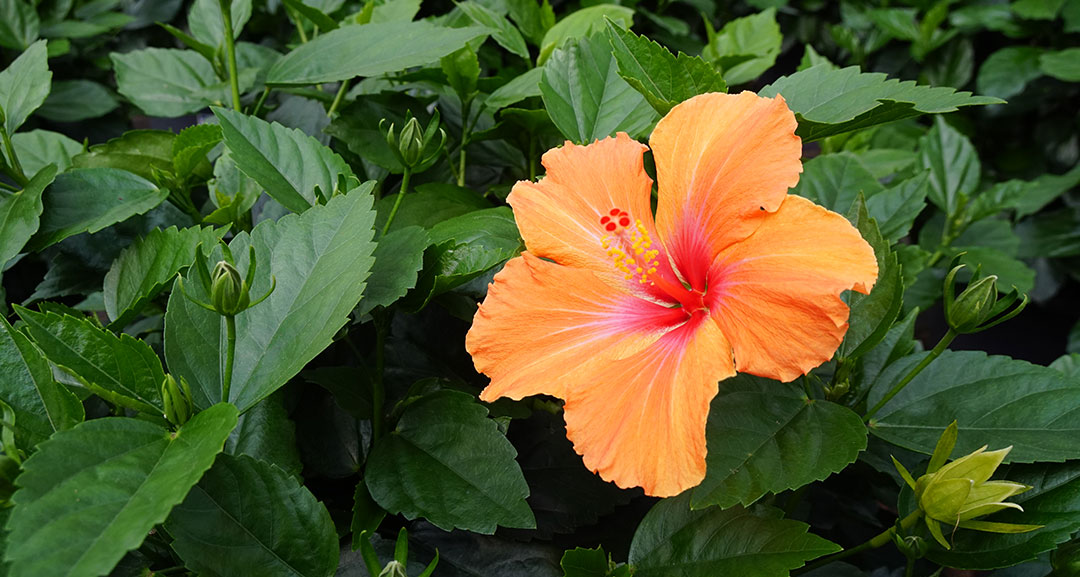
x=912, y=546
x=393, y=569
x=228, y=292
x=411, y=143
x=974, y=306
x=958, y=492
x=176, y=398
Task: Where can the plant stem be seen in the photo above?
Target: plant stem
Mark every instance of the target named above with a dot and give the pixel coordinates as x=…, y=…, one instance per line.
x=910, y=570
x=7, y=187
x=875, y=542
x=338, y=98
x=230, y=52
x=15, y=170
x=532, y=157
x=397, y=201
x=230, y=353
x=260, y=101
x=935, y=353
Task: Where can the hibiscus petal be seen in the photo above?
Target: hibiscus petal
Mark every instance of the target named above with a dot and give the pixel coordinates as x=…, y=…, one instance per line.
x=776, y=294
x=560, y=216
x=724, y=161
x=642, y=422
x=543, y=327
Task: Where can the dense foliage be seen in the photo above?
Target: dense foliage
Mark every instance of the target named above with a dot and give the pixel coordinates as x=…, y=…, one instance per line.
x=242, y=243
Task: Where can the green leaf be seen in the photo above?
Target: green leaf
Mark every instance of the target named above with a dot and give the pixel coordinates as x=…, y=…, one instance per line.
x=41, y=405
x=464, y=247
x=388, y=47
x=662, y=78
x=674, y=540
x=527, y=85
x=585, y=96
x=19, y=24
x=871, y=315
x=320, y=260
x=191, y=146
x=745, y=47
x=1053, y=501
x=897, y=207
x=75, y=100
x=24, y=85
x=19, y=214
x=287, y=163
x=122, y=370
x=92, y=493
x=266, y=433
x=246, y=514
x=1006, y=72
x=207, y=25
x=147, y=153
x=430, y=205
x=533, y=18
x=1050, y=235
x=399, y=257
x=953, y=164
x=166, y=82
x=501, y=30
x=358, y=126
x=1063, y=64
x=395, y=11
x=581, y=24
x=1037, y=9
x=447, y=462
x=581, y=562
x=836, y=180
x=1026, y=197
x=899, y=23
x=829, y=101
x=90, y=199
x=143, y=269
x=314, y=15
x=37, y=149
x=996, y=401
x=765, y=436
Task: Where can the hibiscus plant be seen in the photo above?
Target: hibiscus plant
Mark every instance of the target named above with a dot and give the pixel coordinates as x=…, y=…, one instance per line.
x=539, y=288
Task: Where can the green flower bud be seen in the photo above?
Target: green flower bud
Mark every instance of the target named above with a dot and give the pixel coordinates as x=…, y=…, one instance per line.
x=958, y=492
x=411, y=143
x=912, y=546
x=974, y=306
x=228, y=292
x=176, y=398
x=393, y=569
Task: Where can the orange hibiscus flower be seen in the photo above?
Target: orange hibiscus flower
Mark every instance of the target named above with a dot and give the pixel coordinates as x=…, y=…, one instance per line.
x=633, y=320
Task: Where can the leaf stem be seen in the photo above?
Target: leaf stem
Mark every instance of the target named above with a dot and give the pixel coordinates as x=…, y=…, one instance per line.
x=15, y=170
x=935, y=353
x=230, y=52
x=260, y=101
x=230, y=353
x=338, y=98
x=873, y=543
x=397, y=201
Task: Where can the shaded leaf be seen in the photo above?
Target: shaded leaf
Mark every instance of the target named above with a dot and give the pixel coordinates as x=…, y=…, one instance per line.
x=447, y=462
x=765, y=436
x=123, y=370
x=995, y=400
x=674, y=540
x=399, y=257
x=75, y=100
x=90, y=199
x=249, y=516
x=745, y=47
x=39, y=148
x=166, y=82
x=146, y=153
x=90, y=494
x=41, y=405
